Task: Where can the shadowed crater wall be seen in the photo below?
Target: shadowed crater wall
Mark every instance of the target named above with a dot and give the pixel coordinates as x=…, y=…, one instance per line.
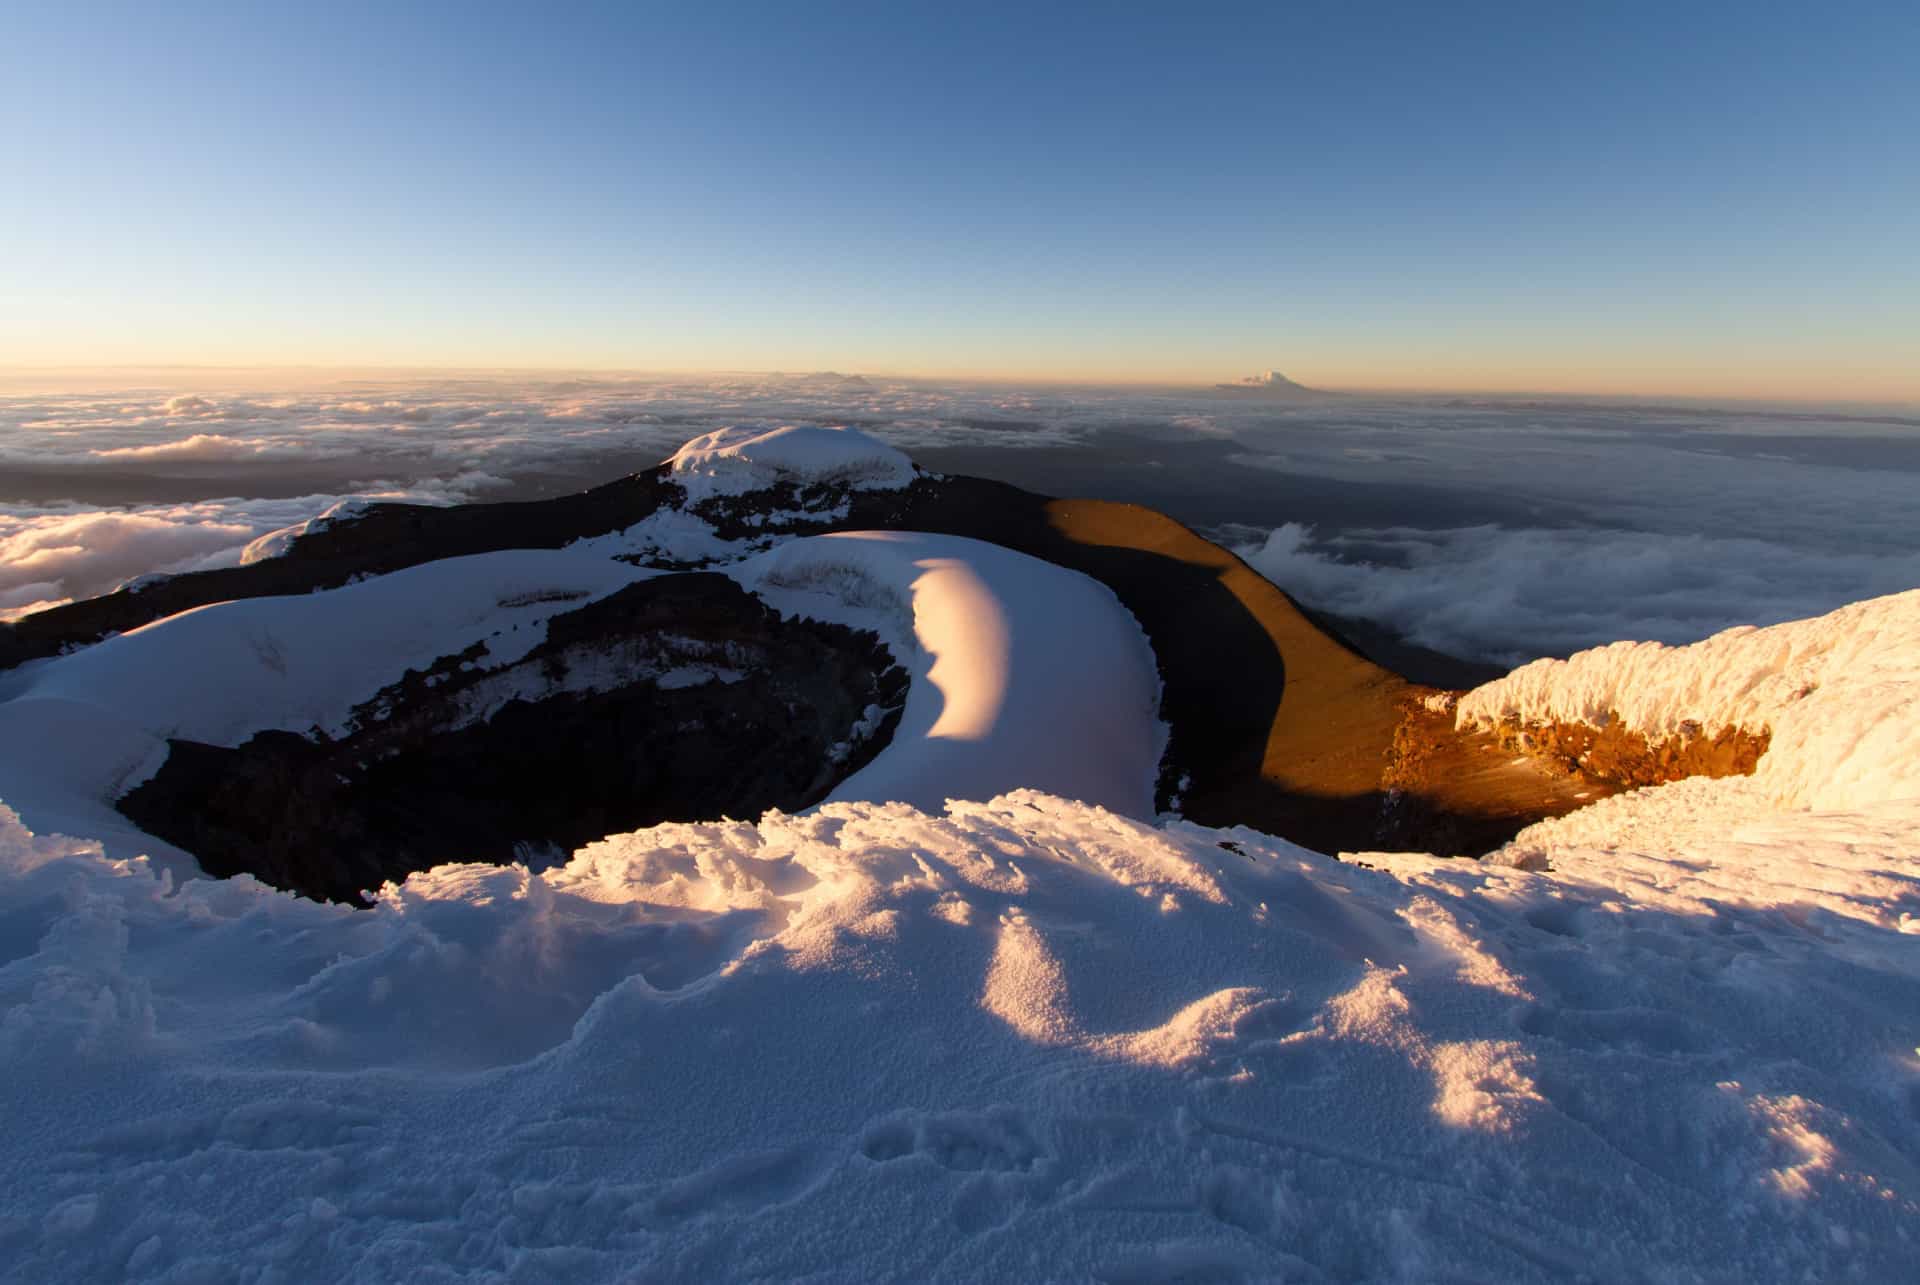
x=678, y=698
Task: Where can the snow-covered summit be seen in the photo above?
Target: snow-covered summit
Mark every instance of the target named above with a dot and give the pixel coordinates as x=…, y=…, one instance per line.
x=743, y=458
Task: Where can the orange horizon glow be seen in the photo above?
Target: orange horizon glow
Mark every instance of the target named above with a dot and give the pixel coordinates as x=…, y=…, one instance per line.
x=1775, y=384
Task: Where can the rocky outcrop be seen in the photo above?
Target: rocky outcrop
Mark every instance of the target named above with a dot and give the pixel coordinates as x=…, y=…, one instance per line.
x=1620, y=756
x=678, y=698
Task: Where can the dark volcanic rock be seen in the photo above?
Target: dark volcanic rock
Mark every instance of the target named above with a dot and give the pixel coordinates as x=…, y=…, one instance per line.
x=678, y=698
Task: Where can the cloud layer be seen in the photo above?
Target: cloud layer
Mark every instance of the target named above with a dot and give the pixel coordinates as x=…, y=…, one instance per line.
x=1509, y=596
x=1493, y=529
x=56, y=554
x=505, y=428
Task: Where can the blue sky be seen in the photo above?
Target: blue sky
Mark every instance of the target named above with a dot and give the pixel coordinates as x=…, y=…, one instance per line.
x=1701, y=197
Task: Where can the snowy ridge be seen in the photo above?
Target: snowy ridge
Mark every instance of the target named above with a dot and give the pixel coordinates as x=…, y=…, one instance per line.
x=295, y=663
x=1840, y=694
x=275, y=544
x=743, y=458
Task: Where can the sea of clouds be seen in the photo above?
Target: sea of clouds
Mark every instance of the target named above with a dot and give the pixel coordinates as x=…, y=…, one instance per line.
x=55, y=553
x=1511, y=595
x=97, y=487
x=1498, y=530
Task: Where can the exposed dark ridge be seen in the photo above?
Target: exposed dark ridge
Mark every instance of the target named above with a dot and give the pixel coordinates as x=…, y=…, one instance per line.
x=1382, y=646
x=1276, y=723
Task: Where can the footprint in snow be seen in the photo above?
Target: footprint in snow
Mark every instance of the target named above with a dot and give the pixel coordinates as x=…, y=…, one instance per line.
x=996, y=1139
x=1003, y=1167
x=743, y=1183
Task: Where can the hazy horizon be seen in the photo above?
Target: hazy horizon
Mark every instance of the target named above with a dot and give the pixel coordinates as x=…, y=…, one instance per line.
x=1482, y=526
x=190, y=377
x=1629, y=200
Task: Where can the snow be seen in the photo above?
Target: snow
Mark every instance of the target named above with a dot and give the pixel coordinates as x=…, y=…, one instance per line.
x=980, y=1015
x=1840, y=694
x=623, y=664
x=300, y=662
x=744, y=458
x=1024, y=674
x=276, y=543
x=1019, y=1039
x=665, y=535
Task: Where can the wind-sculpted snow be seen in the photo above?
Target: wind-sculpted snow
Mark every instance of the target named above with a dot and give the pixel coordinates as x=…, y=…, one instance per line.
x=1023, y=1039
x=1025, y=674
x=1840, y=695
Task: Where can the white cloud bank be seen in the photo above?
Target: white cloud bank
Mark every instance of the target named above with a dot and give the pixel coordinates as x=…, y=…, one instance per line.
x=1509, y=596
x=1692, y=519
x=204, y=447
x=438, y=441
x=503, y=426
x=50, y=555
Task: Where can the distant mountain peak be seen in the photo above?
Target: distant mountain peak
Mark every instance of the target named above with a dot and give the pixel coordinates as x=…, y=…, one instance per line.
x=1268, y=384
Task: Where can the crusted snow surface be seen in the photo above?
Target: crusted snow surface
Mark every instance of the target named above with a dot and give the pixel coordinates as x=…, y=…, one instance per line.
x=1025, y=675
x=1840, y=694
x=743, y=458
x=1020, y=1039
